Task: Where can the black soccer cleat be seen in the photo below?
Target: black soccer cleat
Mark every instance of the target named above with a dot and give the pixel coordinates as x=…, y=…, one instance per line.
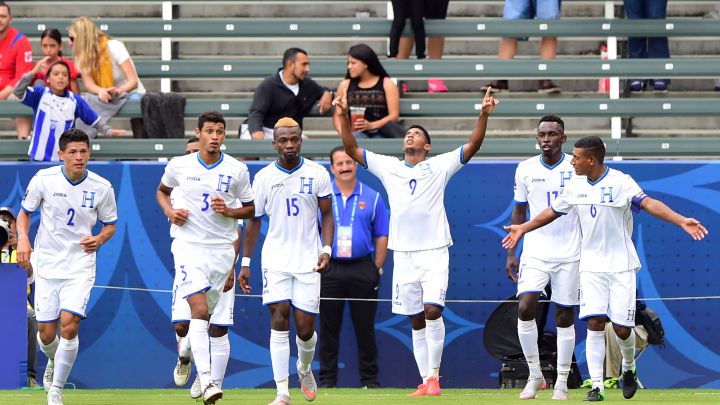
x=630, y=383
x=595, y=395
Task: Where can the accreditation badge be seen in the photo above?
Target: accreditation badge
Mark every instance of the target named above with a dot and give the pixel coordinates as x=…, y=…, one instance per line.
x=344, y=241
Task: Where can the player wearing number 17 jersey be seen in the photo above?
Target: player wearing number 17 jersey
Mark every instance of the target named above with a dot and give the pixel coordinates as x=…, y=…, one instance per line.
x=71, y=200
x=419, y=230
x=604, y=200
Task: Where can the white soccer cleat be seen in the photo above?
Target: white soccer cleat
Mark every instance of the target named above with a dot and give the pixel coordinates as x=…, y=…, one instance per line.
x=196, y=389
x=55, y=397
x=560, y=393
x=307, y=383
x=48, y=376
x=212, y=394
x=532, y=387
x=181, y=373
x=281, y=399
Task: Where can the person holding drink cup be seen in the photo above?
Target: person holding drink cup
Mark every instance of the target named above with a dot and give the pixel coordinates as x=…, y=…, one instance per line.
x=373, y=98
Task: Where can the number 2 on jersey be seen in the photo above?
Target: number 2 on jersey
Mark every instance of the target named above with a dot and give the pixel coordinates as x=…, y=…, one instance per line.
x=71, y=212
x=292, y=203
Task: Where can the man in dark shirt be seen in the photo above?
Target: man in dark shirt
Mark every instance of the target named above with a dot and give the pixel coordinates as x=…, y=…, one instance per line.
x=287, y=93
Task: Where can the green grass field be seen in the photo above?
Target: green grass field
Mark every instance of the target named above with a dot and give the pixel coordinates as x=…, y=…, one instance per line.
x=355, y=397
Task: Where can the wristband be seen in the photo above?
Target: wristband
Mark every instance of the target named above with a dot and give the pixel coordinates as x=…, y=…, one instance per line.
x=327, y=249
x=245, y=262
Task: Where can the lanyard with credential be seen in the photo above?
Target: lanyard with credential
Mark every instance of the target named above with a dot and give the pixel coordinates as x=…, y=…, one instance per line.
x=336, y=210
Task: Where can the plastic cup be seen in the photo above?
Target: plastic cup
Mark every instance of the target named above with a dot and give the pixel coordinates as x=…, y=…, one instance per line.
x=357, y=113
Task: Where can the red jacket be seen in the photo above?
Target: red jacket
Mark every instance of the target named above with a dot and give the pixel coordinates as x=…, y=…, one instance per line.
x=15, y=57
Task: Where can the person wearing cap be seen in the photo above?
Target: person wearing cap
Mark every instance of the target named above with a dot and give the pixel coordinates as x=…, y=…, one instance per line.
x=9, y=255
x=359, y=252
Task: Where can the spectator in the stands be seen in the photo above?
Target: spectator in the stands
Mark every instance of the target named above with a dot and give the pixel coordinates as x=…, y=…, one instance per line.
x=286, y=93
x=15, y=60
x=647, y=47
x=369, y=88
x=524, y=10
x=51, y=44
x=107, y=70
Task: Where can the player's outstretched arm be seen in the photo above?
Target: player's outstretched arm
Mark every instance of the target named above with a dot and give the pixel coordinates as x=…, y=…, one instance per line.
x=24, y=250
x=252, y=232
x=660, y=210
x=342, y=124
x=516, y=232
x=478, y=134
x=518, y=216
x=328, y=232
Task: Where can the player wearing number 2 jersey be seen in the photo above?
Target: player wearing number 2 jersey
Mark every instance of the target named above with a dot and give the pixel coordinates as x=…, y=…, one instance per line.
x=551, y=254
x=419, y=230
x=289, y=192
x=604, y=201
x=71, y=200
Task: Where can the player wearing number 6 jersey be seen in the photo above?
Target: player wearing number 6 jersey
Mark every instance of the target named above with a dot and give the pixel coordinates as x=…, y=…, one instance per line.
x=551, y=254
x=289, y=192
x=604, y=201
x=71, y=200
x=419, y=230
x=208, y=186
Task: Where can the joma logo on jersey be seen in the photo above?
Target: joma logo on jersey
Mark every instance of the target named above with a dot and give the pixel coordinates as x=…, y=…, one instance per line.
x=223, y=183
x=538, y=180
x=88, y=200
x=192, y=178
x=306, y=185
x=274, y=186
x=59, y=195
x=608, y=194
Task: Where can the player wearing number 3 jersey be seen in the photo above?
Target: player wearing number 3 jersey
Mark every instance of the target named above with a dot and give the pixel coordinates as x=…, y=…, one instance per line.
x=419, y=230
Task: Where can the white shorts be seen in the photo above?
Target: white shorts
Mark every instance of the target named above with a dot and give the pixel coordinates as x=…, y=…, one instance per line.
x=563, y=277
x=53, y=295
x=222, y=315
x=419, y=278
x=201, y=268
x=302, y=290
x=609, y=294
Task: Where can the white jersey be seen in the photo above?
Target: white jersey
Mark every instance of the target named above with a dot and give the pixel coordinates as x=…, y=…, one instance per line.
x=290, y=200
x=538, y=185
x=416, y=197
x=68, y=213
x=194, y=184
x=604, y=208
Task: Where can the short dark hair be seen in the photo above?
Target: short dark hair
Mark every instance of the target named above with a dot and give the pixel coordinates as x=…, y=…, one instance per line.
x=73, y=135
x=593, y=145
x=210, y=116
x=291, y=54
x=334, y=151
x=3, y=4
x=193, y=139
x=424, y=131
x=553, y=118
x=58, y=62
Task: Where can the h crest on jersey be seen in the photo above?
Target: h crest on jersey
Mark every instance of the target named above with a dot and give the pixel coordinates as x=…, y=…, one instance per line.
x=306, y=185
x=88, y=200
x=225, y=183
x=604, y=194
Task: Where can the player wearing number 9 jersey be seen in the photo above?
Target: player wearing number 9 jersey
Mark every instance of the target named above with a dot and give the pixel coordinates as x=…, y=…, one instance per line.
x=419, y=230
x=71, y=200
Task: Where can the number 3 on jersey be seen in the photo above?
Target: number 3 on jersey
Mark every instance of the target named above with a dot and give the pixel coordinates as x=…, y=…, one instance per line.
x=292, y=208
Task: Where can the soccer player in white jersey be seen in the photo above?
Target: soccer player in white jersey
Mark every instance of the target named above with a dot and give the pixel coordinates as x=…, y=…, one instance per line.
x=204, y=217
x=71, y=200
x=551, y=254
x=289, y=192
x=419, y=230
x=220, y=320
x=604, y=201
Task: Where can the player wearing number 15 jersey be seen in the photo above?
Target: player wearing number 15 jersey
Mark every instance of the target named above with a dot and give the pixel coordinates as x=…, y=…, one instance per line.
x=289, y=192
x=71, y=200
x=419, y=230
x=604, y=200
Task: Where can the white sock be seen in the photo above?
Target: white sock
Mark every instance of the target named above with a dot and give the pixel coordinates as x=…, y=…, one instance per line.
x=306, y=351
x=565, y=347
x=64, y=360
x=200, y=346
x=49, y=349
x=183, y=346
x=280, y=358
x=219, y=356
x=595, y=354
x=627, y=348
x=528, y=334
x=435, y=336
x=420, y=350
